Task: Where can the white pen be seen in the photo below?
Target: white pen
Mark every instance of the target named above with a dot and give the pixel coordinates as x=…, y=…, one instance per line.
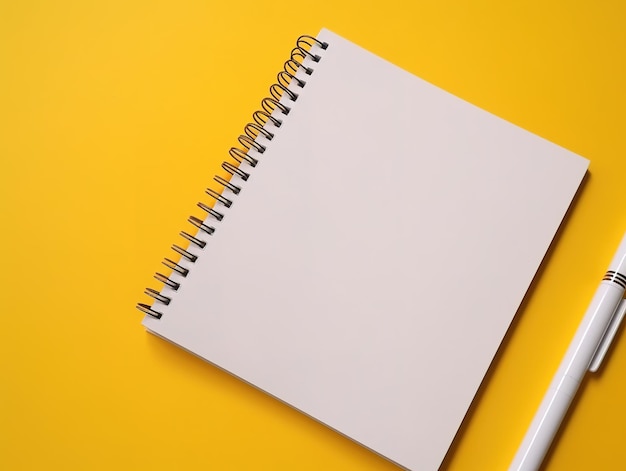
x=585, y=353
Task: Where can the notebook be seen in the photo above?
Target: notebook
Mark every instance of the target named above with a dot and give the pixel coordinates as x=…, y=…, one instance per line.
x=368, y=251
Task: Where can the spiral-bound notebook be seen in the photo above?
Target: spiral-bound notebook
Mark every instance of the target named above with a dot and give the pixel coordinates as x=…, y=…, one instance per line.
x=368, y=254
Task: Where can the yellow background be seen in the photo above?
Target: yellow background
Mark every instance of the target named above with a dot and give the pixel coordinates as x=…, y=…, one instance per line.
x=114, y=115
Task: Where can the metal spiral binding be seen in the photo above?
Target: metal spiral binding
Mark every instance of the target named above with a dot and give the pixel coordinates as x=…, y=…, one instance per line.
x=273, y=108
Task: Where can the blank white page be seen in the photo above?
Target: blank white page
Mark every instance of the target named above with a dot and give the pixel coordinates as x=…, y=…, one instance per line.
x=371, y=265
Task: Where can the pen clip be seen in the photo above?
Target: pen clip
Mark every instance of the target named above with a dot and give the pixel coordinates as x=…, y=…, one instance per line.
x=608, y=336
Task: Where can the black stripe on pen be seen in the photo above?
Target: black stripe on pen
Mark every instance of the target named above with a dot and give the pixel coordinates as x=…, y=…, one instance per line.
x=616, y=275
x=617, y=278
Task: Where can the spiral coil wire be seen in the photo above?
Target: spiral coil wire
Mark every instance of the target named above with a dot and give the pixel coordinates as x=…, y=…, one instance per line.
x=240, y=157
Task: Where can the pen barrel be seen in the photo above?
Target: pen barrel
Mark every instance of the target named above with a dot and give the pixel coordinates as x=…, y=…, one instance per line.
x=544, y=426
x=565, y=383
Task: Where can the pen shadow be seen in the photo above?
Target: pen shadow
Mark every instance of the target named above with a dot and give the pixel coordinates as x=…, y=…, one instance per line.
x=507, y=338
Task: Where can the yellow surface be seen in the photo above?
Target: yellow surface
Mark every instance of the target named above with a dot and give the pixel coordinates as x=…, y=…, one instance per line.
x=113, y=118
